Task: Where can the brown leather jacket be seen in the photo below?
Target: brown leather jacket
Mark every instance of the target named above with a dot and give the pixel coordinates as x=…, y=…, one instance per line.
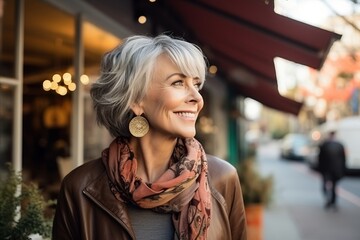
x=87, y=209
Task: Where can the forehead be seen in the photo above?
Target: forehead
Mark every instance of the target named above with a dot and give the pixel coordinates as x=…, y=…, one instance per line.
x=164, y=66
x=191, y=65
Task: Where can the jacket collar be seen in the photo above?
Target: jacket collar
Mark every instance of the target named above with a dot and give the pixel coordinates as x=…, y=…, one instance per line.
x=99, y=192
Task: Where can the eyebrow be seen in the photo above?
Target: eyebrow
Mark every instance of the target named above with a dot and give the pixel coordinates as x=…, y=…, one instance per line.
x=176, y=74
x=179, y=74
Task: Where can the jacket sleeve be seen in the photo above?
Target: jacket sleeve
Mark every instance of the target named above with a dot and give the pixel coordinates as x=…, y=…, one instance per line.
x=237, y=216
x=321, y=163
x=65, y=220
x=224, y=178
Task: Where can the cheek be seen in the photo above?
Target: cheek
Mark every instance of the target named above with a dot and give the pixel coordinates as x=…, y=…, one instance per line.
x=161, y=102
x=169, y=100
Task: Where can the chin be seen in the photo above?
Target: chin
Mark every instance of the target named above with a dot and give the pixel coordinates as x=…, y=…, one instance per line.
x=188, y=134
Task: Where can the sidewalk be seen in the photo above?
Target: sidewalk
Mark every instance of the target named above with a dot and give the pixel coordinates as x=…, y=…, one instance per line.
x=278, y=225
x=278, y=222
x=297, y=211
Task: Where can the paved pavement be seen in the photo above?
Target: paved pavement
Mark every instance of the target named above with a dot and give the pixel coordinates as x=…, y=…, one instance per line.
x=297, y=210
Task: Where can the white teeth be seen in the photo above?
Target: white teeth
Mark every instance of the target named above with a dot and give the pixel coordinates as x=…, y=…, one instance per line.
x=186, y=114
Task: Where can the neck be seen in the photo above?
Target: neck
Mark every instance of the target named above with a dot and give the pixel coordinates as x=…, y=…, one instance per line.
x=153, y=155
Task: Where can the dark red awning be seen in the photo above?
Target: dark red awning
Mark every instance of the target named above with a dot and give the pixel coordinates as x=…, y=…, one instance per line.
x=249, y=35
x=239, y=36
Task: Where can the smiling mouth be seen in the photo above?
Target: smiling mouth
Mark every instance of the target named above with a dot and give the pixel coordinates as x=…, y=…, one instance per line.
x=188, y=115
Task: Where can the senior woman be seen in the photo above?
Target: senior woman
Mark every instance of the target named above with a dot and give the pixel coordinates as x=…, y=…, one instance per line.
x=154, y=181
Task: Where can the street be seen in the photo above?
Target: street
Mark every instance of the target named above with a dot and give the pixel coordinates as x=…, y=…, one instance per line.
x=297, y=211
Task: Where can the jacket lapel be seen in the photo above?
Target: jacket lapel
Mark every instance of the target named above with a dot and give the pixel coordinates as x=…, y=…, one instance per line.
x=99, y=192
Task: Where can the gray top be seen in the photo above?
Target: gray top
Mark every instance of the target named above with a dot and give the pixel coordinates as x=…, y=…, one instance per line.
x=149, y=225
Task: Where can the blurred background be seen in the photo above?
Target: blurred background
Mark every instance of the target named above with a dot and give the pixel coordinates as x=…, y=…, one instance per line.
x=282, y=73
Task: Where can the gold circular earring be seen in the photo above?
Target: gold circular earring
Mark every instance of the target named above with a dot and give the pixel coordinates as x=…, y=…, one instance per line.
x=138, y=126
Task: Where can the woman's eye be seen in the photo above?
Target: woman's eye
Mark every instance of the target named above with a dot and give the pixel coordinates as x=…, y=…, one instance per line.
x=178, y=83
x=198, y=85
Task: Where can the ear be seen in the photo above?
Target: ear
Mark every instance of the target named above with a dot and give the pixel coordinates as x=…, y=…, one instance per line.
x=137, y=108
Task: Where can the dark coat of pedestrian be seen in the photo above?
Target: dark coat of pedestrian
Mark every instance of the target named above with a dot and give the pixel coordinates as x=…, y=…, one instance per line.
x=332, y=166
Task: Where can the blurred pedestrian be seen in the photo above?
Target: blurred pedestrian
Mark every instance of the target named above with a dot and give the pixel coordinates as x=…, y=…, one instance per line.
x=332, y=161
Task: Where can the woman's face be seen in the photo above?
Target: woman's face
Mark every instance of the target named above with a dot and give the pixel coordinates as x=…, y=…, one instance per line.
x=173, y=101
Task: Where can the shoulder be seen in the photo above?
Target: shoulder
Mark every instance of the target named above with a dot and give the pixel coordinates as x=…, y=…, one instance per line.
x=340, y=143
x=219, y=168
x=81, y=176
x=227, y=195
x=324, y=145
x=222, y=175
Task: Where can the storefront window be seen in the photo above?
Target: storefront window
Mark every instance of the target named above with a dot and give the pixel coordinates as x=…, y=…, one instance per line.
x=49, y=48
x=96, y=43
x=7, y=38
x=6, y=125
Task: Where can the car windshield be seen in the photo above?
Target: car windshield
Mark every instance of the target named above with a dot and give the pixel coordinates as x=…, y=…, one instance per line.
x=297, y=140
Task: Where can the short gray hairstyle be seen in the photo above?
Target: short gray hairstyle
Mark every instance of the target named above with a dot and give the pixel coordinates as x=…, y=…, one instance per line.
x=126, y=73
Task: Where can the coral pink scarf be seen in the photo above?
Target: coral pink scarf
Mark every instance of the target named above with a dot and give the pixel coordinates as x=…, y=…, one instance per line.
x=182, y=189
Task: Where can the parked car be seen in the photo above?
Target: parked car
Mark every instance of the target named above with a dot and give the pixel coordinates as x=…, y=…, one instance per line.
x=295, y=146
x=312, y=157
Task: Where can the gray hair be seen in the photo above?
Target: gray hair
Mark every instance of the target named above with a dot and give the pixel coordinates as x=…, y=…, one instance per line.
x=126, y=73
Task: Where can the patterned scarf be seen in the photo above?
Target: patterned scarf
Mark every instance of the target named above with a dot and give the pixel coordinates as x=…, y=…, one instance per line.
x=182, y=189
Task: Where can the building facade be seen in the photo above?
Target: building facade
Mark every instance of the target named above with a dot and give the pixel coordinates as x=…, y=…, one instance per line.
x=50, y=53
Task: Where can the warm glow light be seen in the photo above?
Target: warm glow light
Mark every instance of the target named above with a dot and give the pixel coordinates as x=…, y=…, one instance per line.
x=152, y=1
x=84, y=79
x=142, y=19
x=316, y=135
x=56, y=78
x=63, y=83
x=67, y=81
x=213, y=69
x=61, y=90
x=72, y=86
x=54, y=85
x=46, y=85
x=206, y=125
x=67, y=77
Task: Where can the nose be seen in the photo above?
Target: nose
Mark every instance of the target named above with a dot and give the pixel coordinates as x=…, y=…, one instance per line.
x=194, y=95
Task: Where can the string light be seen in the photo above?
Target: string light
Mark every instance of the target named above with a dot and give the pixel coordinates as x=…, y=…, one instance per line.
x=63, y=84
x=213, y=69
x=142, y=19
x=84, y=79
